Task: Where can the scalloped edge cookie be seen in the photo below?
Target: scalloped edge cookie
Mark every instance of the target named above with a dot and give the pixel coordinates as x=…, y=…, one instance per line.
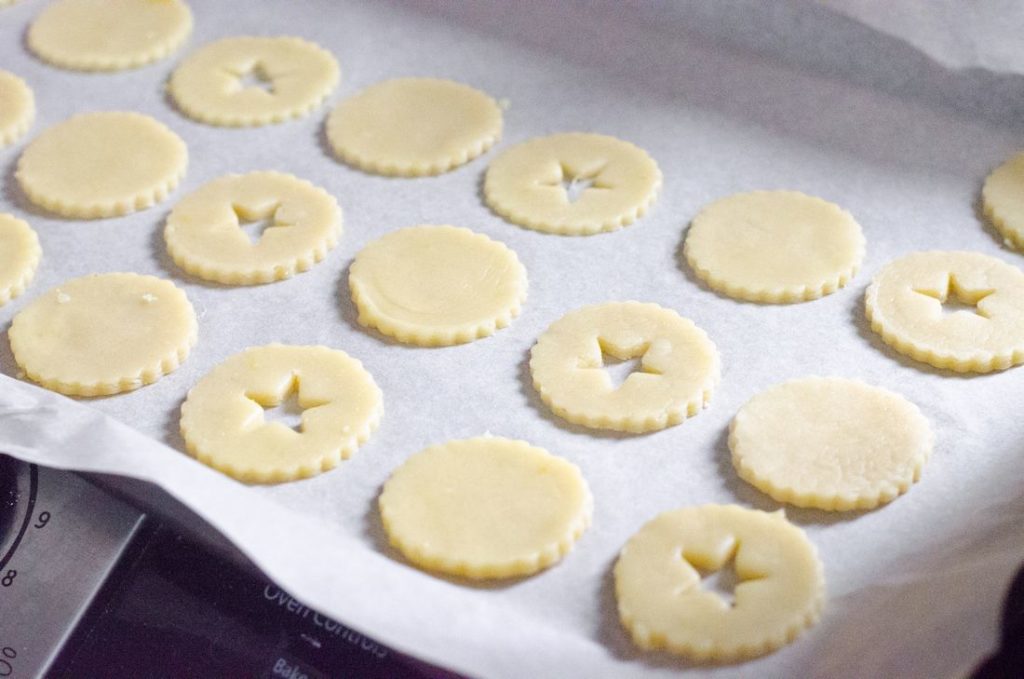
x=421, y=551
x=978, y=361
x=197, y=403
x=1001, y=202
x=204, y=264
x=15, y=279
x=799, y=394
x=555, y=346
x=702, y=237
x=408, y=332
x=513, y=178
x=19, y=103
x=196, y=105
x=129, y=201
x=53, y=49
x=352, y=140
x=655, y=541
x=38, y=367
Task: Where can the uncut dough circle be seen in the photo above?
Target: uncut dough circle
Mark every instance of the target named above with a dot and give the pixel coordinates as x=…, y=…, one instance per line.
x=19, y=256
x=17, y=108
x=524, y=184
x=774, y=246
x=678, y=371
x=1002, y=197
x=109, y=35
x=779, y=594
x=207, y=84
x=102, y=165
x=831, y=443
x=412, y=127
x=204, y=238
x=916, y=325
x=223, y=424
x=437, y=285
x=485, y=507
x=104, y=334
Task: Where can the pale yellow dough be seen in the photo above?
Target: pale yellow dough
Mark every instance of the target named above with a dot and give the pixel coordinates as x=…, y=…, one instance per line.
x=437, y=285
x=1003, y=200
x=244, y=81
x=102, y=165
x=204, y=236
x=104, y=334
x=679, y=367
x=411, y=127
x=485, y=507
x=774, y=246
x=223, y=424
x=17, y=108
x=19, y=256
x=905, y=306
x=780, y=590
x=528, y=183
x=109, y=35
x=830, y=443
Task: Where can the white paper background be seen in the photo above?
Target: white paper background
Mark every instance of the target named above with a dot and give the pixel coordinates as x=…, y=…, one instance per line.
x=914, y=588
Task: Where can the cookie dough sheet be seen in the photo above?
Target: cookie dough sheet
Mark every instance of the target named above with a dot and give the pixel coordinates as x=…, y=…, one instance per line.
x=874, y=126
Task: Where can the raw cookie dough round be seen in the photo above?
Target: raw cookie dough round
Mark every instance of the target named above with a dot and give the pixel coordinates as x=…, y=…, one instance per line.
x=17, y=108
x=204, y=235
x=779, y=591
x=437, y=285
x=244, y=81
x=534, y=184
x=411, y=127
x=830, y=443
x=1003, y=200
x=774, y=246
x=104, y=334
x=905, y=305
x=102, y=165
x=485, y=507
x=19, y=256
x=109, y=35
x=679, y=367
x=223, y=423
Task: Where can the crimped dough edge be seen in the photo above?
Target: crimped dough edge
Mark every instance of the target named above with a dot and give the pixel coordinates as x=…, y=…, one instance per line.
x=974, y=362
x=650, y=640
x=14, y=131
x=201, y=267
x=1013, y=238
x=410, y=333
x=635, y=424
x=823, y=499
x=257, y=475
x=417, y=169
x=193, y=107
x=140, y=201
x=784, y=294
x=157, y=50
x=421, y=555
x=144, y=376
x=510, y=214
x=17, y=287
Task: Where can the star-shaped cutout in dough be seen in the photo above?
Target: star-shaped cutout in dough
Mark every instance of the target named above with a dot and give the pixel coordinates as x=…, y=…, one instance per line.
x=574, y=183
x=721, y=578
x=619, y=363
x=956, y=297
x=287, y=407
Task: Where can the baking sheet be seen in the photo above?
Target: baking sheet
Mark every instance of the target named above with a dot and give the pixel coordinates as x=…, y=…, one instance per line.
x=914, y=588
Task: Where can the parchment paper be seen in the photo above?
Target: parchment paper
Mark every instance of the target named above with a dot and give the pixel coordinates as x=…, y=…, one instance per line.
x=914, y=588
